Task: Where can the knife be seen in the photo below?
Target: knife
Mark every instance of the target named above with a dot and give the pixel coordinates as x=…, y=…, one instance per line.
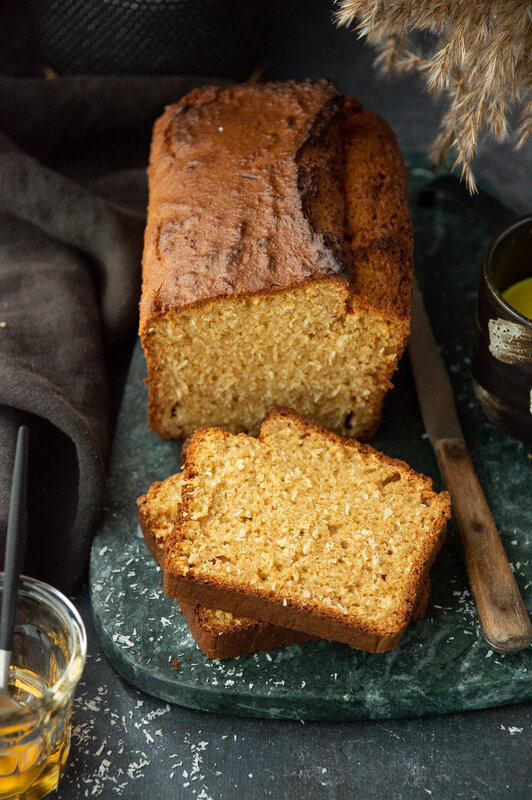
x=502, y=613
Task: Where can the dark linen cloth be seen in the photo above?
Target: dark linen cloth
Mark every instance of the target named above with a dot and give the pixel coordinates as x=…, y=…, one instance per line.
x=70, y=256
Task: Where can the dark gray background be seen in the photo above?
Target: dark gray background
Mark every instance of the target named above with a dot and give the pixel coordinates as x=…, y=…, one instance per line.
x=127, y=744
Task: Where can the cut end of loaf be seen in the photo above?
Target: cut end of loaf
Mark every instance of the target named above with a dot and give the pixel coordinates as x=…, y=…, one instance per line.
x=306, y=348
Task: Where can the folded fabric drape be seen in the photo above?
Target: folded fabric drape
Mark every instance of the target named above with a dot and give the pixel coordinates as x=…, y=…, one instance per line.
x=69, y=287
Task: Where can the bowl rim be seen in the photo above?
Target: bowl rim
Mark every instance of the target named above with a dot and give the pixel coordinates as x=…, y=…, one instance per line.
x=488, y=259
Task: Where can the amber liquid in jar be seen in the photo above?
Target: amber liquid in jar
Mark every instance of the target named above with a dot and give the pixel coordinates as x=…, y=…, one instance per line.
x=30, y=763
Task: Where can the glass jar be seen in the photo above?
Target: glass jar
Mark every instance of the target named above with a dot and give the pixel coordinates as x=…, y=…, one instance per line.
x=48, y=656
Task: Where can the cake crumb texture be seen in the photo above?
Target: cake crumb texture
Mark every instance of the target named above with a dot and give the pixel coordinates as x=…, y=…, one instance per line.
x=305, y=530
x=219, y=634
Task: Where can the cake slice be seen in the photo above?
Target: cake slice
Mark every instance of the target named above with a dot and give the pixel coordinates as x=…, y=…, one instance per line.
x=219, y=634
x=157, y=510
x=277, y=264
x=304, y=530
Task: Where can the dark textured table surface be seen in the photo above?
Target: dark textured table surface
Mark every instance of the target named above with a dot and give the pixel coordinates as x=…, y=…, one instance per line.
x=128, y=744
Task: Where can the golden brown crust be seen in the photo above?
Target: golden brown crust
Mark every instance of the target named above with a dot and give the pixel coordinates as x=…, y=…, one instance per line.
x=420, y=608
x=236, y=640
x=248, y=601
x=148, y=526
x=378, y=227
x=261, y=225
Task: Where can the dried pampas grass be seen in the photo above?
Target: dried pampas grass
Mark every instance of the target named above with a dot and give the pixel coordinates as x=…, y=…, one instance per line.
x=480, y=62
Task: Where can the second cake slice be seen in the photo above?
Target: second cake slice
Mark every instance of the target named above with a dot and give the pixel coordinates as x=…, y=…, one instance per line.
x=220, y=634
x=306, y=530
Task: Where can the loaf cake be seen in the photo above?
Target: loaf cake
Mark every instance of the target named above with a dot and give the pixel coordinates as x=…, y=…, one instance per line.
x=218, y=633
x=305, y=530
x=277, y=263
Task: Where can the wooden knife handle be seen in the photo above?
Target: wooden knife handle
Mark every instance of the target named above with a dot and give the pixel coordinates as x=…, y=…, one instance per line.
x=501, y=610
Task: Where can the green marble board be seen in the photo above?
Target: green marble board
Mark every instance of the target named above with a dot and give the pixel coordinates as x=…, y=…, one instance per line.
x=443, y=663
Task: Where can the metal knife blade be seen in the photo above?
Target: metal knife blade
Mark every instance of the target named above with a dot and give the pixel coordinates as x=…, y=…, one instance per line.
x=433, y=386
